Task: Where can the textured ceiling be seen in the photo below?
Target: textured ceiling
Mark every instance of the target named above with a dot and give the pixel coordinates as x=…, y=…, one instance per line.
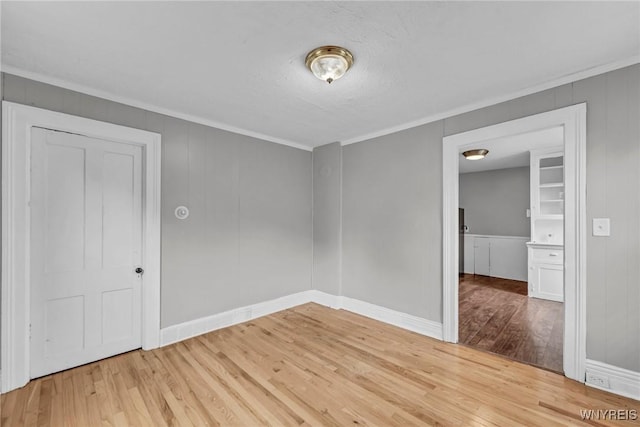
x=240, y=65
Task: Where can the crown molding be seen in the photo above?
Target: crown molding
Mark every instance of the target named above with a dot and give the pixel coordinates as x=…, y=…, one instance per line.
x=569, y=78
x=146, y=106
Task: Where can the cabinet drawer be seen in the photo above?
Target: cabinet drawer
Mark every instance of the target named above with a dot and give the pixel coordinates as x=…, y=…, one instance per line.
x=548, y=256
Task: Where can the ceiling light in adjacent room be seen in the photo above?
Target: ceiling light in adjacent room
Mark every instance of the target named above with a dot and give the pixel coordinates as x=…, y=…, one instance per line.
x=329, y=63
x=477, y=154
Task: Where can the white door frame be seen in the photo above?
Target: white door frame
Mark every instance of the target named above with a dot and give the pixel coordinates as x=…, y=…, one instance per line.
x=573, y=119
x=17, y=121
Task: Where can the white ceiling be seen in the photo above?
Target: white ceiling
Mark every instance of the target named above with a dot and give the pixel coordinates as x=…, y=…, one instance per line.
x=240, y=65
x=511, y=152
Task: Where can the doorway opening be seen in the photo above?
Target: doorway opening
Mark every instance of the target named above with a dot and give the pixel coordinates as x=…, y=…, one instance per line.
x=511, y=245
x=572, y=121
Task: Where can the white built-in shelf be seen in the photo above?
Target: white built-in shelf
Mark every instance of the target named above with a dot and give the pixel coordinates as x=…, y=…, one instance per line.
x=547, y=200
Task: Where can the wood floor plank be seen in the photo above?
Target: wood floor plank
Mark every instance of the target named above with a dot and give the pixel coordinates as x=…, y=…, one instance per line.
x=496, y=315
x=44, y=407
x=106, y=410
x=499, y=316
x=231, y=405
x=314, y=366
x=331, y=368
x=157, y=407
x=289, y=380
x=326, y=369
x=57, y=408
x=258, y=375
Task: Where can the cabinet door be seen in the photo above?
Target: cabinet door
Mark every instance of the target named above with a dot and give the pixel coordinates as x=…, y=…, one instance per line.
x=481, y=256
x=547, y=282
x=469, y=254
x=508, y=259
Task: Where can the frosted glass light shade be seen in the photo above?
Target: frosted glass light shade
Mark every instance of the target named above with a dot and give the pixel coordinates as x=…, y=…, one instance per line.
x=329, y=67
x=329, y=63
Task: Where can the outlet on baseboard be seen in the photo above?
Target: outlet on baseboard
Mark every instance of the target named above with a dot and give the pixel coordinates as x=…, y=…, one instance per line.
x=597, y=380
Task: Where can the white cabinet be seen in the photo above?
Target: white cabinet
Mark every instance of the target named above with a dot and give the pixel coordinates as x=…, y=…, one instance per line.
x=509, y=258
x=496, y=256
x=481, y=255
x=545, y=250
x=546, y=272
x=469, y=253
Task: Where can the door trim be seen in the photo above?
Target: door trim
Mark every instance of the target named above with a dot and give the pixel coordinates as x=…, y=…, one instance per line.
x=573, y=119
x=17, y=121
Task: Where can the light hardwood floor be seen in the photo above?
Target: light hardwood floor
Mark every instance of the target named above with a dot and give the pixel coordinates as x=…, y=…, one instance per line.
x=309, y=365
x=496, y=315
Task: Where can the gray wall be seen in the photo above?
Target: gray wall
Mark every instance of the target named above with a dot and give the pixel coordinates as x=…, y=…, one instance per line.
x=248, y=237
x=392, y=184
x=495, y=202
x=392, y=221
x=613, y=191
x=327, y=188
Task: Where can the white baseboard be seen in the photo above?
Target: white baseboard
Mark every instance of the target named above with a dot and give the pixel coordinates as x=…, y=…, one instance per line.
x=192, y=328
x=397, y=318
x=323, y=298
x=613, y=379
x=182, y=331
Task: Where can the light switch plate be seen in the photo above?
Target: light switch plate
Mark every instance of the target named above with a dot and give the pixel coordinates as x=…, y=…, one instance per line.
x=601, y=227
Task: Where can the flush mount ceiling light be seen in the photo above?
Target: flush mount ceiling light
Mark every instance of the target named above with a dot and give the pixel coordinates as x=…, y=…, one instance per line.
x=329, y=63
x=476, y=154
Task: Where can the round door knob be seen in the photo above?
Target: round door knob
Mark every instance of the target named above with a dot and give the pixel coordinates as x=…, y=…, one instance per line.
x=139, y=270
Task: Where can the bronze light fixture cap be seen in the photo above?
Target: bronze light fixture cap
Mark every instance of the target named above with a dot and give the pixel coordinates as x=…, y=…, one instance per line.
x=476, y=154
x=329, y=63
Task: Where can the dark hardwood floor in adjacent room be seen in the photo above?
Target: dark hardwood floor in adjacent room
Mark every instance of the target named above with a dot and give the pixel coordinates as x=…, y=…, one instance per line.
x=496, y=315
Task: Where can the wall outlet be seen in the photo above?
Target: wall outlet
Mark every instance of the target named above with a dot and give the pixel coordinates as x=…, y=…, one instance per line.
x=597, y=380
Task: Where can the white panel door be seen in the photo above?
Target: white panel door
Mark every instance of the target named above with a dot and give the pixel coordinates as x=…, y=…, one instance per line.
x=86, y=242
